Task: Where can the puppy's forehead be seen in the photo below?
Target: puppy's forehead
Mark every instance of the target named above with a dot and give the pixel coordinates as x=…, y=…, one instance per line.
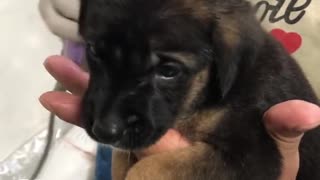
x=102, y=16
x=133, y=30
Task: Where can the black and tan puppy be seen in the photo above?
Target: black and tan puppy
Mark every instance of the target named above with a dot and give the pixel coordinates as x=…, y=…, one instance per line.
x=204, y=67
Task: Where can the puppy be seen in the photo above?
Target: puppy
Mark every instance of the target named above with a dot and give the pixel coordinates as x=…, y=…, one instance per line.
x=203, y=67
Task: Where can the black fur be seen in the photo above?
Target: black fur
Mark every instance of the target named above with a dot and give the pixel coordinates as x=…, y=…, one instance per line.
x=127, y=85
x=127, y=105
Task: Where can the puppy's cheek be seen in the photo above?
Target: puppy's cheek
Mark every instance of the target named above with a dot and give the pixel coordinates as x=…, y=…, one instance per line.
x=161, y=115
x=87, y=116
x=158, y=119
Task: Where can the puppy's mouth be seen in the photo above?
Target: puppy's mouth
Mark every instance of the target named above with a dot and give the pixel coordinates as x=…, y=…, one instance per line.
x=133, y=137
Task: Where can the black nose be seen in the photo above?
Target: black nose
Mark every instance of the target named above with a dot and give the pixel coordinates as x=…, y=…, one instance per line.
x=134, y=123
x=133, y=119
x=114, y=127
x=108, y=130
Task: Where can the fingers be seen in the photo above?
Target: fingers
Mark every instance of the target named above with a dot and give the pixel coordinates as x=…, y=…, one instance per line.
x=65, y=106
x=69, y=8
x=58, y=24
x=68, y=74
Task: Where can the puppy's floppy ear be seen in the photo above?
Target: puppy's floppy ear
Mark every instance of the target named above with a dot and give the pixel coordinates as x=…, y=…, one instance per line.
x=236, y=38
x=226, y=62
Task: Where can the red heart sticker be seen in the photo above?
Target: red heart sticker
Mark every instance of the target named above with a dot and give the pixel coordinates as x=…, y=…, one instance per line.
x=291, y=41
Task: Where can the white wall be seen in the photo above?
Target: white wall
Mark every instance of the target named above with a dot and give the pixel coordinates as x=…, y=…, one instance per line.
x=25, y=42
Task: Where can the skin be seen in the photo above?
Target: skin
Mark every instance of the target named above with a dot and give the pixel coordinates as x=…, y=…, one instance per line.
x=286, y=122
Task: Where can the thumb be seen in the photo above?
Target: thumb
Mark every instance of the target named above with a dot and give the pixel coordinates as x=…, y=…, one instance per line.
x=286, y=123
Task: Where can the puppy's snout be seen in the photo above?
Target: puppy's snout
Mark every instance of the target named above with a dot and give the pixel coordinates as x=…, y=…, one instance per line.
x=115, y=127
x=135, y=123
x=133, y=119
x=109, y=130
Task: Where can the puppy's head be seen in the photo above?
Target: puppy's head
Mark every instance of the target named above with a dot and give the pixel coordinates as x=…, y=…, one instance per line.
x=153, y=61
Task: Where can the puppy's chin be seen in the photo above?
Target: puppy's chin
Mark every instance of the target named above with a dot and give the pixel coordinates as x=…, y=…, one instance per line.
x=130, y=140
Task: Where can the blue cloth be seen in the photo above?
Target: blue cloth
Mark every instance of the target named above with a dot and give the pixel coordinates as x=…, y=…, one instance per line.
x=103, y=163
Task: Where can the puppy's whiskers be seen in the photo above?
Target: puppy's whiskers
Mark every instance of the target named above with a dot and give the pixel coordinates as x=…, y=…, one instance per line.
x=129, y=157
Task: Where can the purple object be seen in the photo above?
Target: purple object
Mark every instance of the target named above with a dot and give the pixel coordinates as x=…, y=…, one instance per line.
x=74, y=51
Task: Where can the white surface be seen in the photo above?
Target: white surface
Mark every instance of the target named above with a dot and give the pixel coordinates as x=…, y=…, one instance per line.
x=25, y=43
x=72, y=158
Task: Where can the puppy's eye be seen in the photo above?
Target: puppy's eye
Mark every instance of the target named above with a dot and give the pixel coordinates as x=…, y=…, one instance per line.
x=168, y=70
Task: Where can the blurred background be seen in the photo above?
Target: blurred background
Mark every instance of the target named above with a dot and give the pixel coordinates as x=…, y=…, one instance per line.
x=25, y=44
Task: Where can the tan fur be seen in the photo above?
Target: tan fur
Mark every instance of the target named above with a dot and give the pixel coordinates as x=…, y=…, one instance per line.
x=122, y=161
x=230, y=31
x=199, y=9
x=183, y=57
x=197, y=126
x=197, y=84
x=161, y=166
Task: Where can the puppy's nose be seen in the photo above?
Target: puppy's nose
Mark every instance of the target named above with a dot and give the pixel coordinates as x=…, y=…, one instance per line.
x=133, y=119
x=108, y=132
x=135, y=123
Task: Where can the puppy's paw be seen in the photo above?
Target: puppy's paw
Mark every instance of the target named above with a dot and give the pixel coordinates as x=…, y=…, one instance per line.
x=150, y=168
x=121, y=162
x=174, y=165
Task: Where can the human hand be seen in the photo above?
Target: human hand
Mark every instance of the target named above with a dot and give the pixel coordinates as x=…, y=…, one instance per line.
x=285, y=122
x=61, y=16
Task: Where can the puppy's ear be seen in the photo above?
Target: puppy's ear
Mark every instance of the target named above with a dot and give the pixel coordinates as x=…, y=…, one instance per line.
x=236, y=38
x=226, y=63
